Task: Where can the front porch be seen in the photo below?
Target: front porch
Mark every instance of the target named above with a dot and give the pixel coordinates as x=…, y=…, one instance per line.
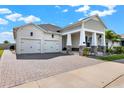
x=77, y=41
x=89, y=32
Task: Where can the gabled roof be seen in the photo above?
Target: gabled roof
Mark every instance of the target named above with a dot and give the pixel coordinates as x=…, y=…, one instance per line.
x=85, y=19
x=50, y=27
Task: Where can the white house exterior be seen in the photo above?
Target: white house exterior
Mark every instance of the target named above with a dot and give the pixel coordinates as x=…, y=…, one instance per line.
x=116, y=44
x=110, y=44
x=88, y=32
x=122, y=39
x=31, y=38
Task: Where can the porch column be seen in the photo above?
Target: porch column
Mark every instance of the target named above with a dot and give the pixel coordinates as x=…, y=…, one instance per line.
x=82, y=42
x=69, y=44
x=94, y=43
x=103, y=44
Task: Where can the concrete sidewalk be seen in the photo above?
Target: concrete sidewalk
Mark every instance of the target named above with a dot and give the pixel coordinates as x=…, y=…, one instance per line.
x=99, y=75
x=120, y=61
x=8, y=56
x=118, y=83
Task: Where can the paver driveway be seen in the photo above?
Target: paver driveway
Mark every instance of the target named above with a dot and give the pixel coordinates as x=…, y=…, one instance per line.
x=14, y=72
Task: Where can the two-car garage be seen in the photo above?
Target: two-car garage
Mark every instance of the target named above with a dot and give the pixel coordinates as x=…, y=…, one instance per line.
x=33, y=39
x=35, y=46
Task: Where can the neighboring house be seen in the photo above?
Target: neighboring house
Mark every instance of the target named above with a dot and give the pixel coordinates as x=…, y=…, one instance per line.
x=116, y=44
x=122, y=39
x=109, y=44
x=47, y=38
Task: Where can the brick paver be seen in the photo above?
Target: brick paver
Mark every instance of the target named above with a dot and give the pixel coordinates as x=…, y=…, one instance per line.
x=15, y=72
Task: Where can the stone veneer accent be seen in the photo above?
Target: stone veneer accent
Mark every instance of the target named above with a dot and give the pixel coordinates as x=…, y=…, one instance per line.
x=69, y=49
x=103, y=49
x=81, y=50
x=94, y=50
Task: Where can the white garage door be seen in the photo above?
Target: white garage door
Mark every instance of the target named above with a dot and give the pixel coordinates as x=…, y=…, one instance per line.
x=30, y=46
x=52, y=46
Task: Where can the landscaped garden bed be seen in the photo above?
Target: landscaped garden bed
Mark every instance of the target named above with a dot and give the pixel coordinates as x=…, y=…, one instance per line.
x=111, y=57
x=115, y=53
x=112, y=52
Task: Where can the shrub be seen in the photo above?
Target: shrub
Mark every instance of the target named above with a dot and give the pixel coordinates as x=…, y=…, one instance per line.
x=117, y=50
x=12, y=47
x=109, y=50
x=86, y=52
x=122, y=49
x=112, y=57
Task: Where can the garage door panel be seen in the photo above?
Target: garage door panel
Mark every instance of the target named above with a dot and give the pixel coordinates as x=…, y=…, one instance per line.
x=30, y=46
x=52, y=46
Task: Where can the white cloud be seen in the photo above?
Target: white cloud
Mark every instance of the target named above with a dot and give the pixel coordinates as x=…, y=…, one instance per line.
x=103, y=13
x=109, y=6
x=5, y=11
x=70, y=23
x=80, y=19
x=65, y=10
x=57, y=6
x=74, y=5
x=29, y=19
x=14, y=17
x=84, y=8
x=109, y=11
x=6, y=33
x=6, y=36
x=3, y=21
x=19, y=17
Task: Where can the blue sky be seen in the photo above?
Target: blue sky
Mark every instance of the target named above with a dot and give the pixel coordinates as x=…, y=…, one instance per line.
x=13, y=16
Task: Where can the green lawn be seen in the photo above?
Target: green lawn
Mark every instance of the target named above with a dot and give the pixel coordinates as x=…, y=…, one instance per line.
x=112, y=57
x=1, y=52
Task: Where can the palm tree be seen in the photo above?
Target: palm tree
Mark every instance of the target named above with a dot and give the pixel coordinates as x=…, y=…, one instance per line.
x=112, y=36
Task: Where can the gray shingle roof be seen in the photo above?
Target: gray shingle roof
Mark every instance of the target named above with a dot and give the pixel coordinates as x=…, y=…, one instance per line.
x=50, y=27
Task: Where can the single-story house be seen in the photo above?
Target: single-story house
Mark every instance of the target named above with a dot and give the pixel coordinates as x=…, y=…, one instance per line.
x=122, y=39
x=116, y=44
x=48, y=38
x=110, y=43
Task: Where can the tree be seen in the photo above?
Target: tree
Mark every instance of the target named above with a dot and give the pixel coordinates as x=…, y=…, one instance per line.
x=6, y=42
x=112, y=36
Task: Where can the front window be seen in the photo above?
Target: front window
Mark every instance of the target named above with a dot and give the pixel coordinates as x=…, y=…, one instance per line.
x=52, y=35
x=88, y=41
x=31, y=34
